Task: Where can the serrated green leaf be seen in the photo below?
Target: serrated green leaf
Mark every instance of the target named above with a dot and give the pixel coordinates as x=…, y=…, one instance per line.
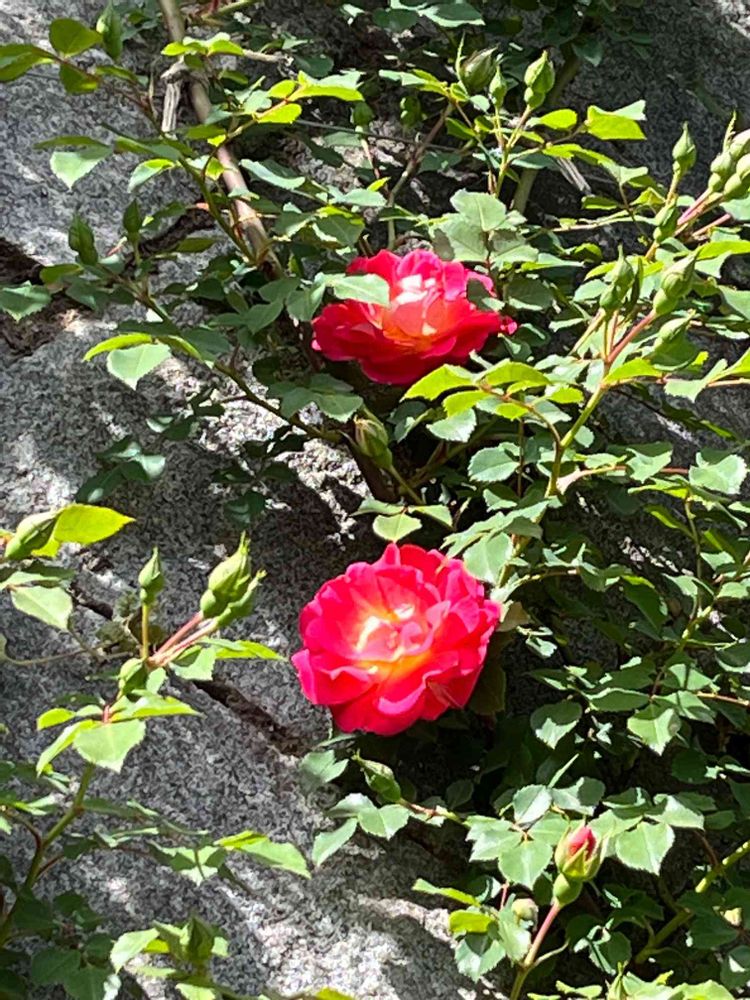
x=130, y=364
x=551, y=722
x=70, y=38
x=108, y=744
x=23, y=300
x=644, y=847
x=51, y=605
x=71, y=166
x=327, y=843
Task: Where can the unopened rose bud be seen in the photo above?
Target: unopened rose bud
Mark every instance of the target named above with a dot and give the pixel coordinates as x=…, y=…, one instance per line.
x=151, y=580
x=740, y=144
x=372, y=440
x=32, y=534
x=578, y=855
x=524, y=909
x=666, y=222
x=684, y=153
x=477, y=71
x=565, y=890
x=722, y=168
x=498, y=88
x=539, y=79
x=621, y=279
x=228, y=582
x=739, y=183
x=676, y=282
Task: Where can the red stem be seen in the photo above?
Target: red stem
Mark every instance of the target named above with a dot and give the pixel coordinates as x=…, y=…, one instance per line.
x=541, y=935
x=174, y=639
x=632, y=333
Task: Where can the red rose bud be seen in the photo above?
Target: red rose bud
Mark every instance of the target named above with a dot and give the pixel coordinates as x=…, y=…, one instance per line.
x=578, y=855
x=582, y=838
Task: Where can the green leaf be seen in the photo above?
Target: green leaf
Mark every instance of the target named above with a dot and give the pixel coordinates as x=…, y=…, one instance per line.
x=395, y=526
x=109, y=27
x=83, y=524
x=326, y=844
x=441, y=380
x=494, y=465
x=717, y=470
x=655, y=725
x=530, y=804
x=551, y=722
x=469, y=922
x=112, y=343
x=92, y=983
x=342, y=86
x=242, y=649
x=51, y=605
x=23, y=300
x=71, y=166
x=70, y=38
x=54, y=717
x=384, y=821
x=455, y=894
x=130, y=364
x=644, y=847
x=526, y=862
x=362, y=288
x=53, y=965
x=645, y=460
x=620, y=124
x=268, y=852
x=129, y=945
x=108, y=744
x=480, y=209
x=562, y=119
x=486, y=558
x=528, y=293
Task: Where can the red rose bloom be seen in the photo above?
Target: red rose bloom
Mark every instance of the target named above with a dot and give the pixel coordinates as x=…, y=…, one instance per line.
x=428, y=322
x=390, y=642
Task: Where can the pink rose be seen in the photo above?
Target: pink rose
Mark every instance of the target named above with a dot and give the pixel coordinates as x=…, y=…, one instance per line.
x=428, y=322
x=394, y=641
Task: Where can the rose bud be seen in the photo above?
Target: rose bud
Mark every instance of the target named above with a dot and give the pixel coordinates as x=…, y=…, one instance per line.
x=578, y=855
x=524, y=909
x=371, y=438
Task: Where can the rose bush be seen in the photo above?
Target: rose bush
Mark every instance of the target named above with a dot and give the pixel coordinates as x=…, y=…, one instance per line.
x=394, y=641
x=429, y=319
x=580, y=469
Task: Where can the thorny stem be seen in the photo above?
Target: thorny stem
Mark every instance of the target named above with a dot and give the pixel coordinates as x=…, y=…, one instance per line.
x=677, y=921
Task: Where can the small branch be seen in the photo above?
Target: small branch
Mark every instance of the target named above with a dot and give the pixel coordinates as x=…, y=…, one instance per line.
x=632, y=333
x=685, y=915
x=527, y=179
x=234, y=181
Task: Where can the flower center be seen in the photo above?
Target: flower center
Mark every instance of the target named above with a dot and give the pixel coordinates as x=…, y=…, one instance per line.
x=390, y=639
